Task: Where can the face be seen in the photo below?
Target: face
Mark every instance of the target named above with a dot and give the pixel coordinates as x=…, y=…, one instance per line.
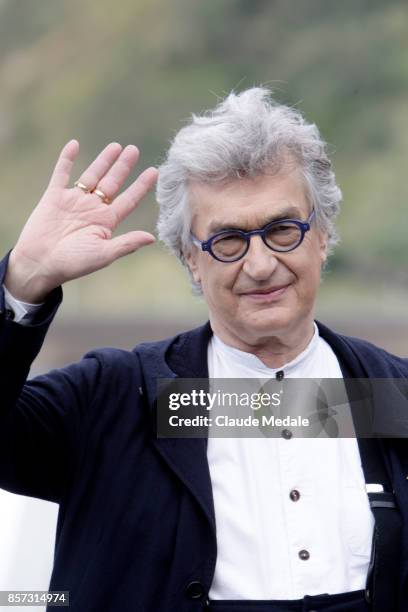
x=265, y=295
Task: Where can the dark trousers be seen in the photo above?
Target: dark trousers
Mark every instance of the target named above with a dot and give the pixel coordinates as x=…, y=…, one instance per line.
x=341, y=602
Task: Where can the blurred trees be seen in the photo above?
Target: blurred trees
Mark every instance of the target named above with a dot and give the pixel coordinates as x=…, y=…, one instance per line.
x=135, y=70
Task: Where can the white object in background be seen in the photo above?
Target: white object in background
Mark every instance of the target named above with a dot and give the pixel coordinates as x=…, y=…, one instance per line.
x=27, y=537
x=27, y=540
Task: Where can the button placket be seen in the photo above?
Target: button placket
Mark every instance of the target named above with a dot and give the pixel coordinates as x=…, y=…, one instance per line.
x=298, y=484
x=294, y=513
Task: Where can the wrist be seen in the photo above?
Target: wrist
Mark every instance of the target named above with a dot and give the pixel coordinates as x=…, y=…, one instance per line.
x=25, y=282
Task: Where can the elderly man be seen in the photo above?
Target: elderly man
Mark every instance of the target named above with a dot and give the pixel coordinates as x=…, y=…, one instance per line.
x=247, y=201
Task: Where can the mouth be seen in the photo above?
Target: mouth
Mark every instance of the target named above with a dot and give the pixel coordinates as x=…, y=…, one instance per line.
x=270, y=294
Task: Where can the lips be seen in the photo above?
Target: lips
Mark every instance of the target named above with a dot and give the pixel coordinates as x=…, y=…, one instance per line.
x=268, y=294
x=265, y=291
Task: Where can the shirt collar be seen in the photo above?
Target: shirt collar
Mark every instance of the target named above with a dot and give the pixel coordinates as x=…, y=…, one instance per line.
x=253, y=362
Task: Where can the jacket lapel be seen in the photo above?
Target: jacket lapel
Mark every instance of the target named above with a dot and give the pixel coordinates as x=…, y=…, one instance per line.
x=186, y=357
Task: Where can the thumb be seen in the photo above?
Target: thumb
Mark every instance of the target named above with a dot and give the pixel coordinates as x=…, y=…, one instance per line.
x=127, y=243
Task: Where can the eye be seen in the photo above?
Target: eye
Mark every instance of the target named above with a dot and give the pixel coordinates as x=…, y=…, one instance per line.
x=283, y=235
x=282, y=227
x=228, y=245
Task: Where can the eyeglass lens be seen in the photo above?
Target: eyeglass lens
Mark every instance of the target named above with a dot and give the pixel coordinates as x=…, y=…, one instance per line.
x=280, y=237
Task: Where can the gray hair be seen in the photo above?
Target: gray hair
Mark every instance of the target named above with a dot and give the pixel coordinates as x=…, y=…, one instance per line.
x=247, y=134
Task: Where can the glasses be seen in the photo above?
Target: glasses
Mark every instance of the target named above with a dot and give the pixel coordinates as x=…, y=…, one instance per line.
x=281, y=236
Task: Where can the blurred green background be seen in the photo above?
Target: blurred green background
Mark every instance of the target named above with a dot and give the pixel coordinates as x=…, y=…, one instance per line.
x=134, y=71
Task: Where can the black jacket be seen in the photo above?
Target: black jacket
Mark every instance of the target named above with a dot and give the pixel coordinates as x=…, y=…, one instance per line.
x=136, y=525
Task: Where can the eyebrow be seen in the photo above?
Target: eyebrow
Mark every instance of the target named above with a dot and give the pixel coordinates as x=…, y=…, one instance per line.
x=293, y=212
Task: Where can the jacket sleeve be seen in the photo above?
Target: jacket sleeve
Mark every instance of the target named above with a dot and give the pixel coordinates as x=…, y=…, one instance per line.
x=40, y=419
x=24, y=313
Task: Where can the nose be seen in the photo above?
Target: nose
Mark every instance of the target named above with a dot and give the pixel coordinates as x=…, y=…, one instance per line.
x=260, y=261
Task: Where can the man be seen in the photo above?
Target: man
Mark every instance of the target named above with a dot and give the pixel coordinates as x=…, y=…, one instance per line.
x=247, y=201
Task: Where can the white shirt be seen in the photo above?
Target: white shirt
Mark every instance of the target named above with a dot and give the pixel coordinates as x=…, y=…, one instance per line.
x=260, y=530
x=23, y=311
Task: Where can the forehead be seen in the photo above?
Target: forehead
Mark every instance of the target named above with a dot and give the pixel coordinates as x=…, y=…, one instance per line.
x=247, y=202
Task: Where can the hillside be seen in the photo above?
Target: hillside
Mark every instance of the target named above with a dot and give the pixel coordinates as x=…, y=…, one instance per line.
x=134, y=71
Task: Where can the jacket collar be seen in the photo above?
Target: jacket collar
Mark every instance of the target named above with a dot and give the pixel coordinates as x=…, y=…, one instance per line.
x=187, y=355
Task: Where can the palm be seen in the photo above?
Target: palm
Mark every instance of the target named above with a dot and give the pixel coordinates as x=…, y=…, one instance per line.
x=69, y=233
x=72, y=229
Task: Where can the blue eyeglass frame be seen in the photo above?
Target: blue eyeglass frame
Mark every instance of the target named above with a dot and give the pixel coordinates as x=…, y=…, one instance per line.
x=206, y=245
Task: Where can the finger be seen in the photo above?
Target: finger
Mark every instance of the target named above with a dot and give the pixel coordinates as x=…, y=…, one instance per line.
x=100, y=166
x=117, y=175
x=127, y=201
x=126, y=243
x=63, y=168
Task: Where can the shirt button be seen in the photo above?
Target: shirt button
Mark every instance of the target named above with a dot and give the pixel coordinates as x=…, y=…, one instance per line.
x=279, y=375
x=304, y=555
x=287, y=434
x=9, y=314
x=294, y=495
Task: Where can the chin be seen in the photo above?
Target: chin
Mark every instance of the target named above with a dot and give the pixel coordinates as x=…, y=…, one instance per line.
x=267, y=324
x=275, y=316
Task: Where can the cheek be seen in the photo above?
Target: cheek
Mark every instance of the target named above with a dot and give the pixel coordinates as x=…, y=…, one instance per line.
x=218, y=284
x=307, y=272
x=311, y=280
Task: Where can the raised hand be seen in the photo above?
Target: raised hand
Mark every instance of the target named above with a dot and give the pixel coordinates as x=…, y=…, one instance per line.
x=69, y=233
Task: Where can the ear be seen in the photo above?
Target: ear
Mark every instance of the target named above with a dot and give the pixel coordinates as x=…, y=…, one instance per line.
x=323, y=242
x=191, y=259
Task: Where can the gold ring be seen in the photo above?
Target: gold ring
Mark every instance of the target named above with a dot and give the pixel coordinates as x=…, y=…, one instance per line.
x=84, y=188
x=102, y=195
